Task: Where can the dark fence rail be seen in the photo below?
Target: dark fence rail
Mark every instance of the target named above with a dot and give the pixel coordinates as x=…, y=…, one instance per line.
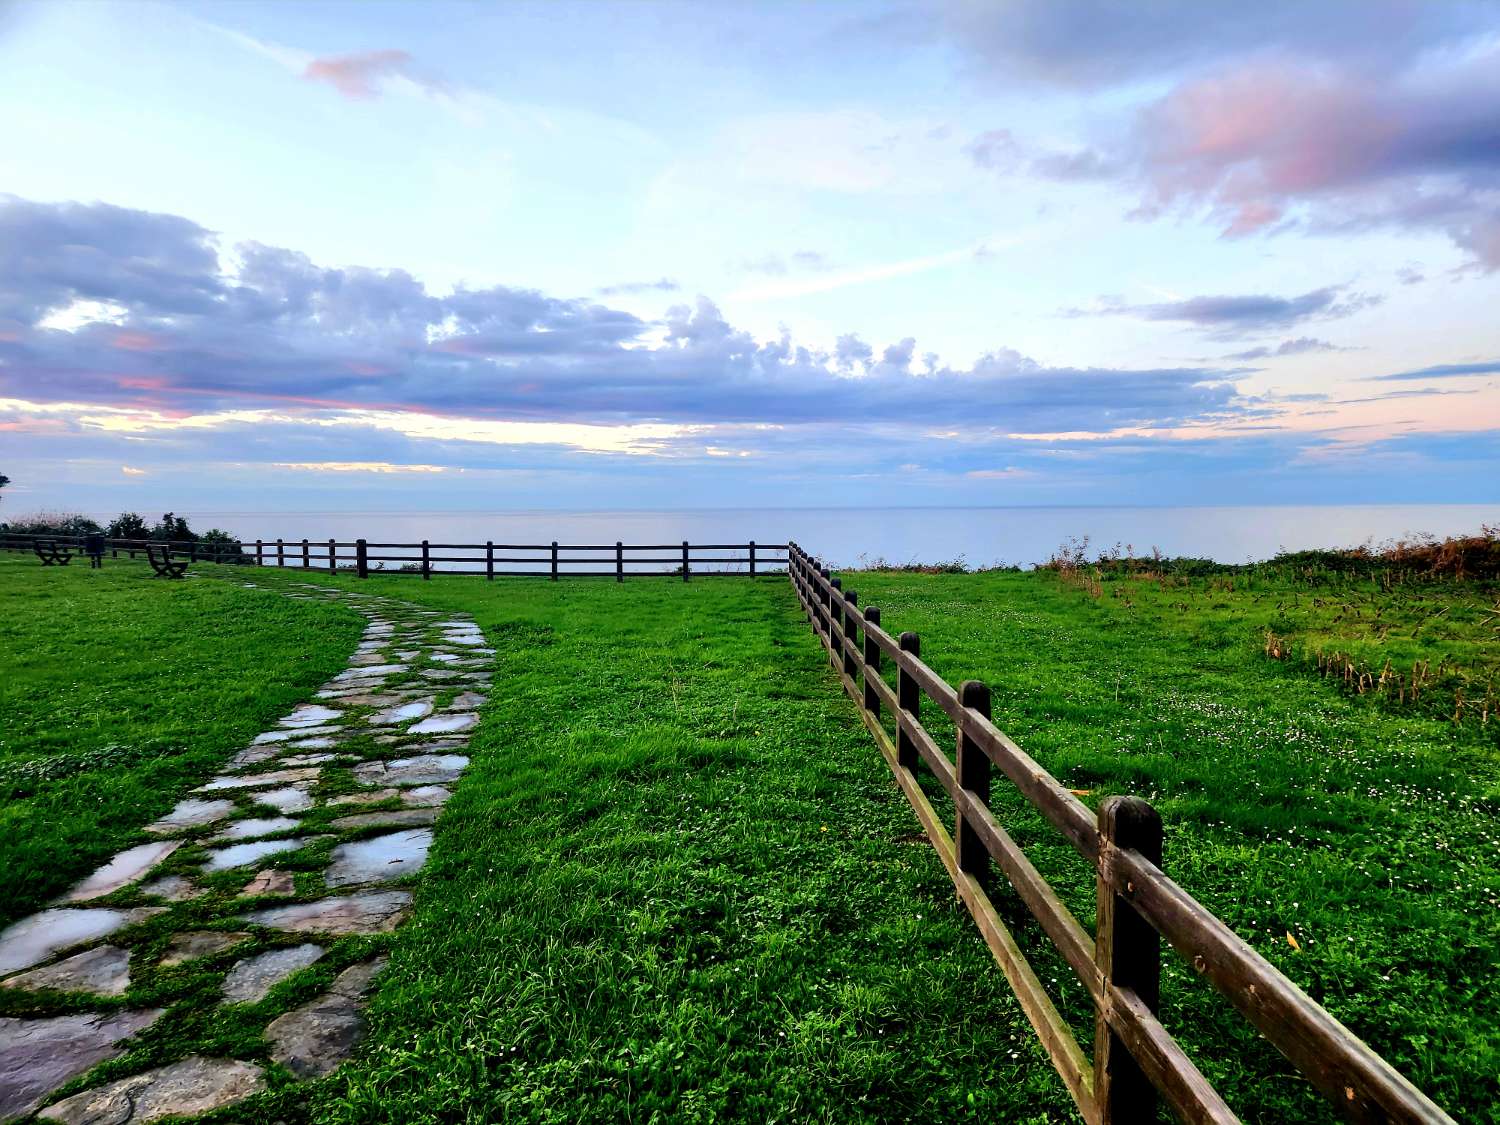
x=618, y=560
x=1136, y=1063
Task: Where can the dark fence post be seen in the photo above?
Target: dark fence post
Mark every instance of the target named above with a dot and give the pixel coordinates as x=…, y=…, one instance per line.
x=835, y=621
x=361, y=559
x=1128, y=952
x=280, y=553
x=258, y=560
x=973, y=769
x=489, y=560
x=752, y=558
x=851, y=636
x=426, y=560
x=192, y=550
x=909, y=696
x=872, y=662
x=333, y=557
x=619, y=561
x=554, y=560
x=306, y=556
x=684, y=560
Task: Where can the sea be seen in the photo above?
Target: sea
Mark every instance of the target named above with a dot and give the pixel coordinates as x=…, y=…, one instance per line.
x=848, y=537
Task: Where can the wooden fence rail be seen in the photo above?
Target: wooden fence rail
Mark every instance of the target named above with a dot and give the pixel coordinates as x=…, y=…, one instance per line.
x=1135, y=1061
x=617, y=560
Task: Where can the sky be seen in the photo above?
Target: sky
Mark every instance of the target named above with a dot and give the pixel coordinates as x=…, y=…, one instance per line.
x=376, y=257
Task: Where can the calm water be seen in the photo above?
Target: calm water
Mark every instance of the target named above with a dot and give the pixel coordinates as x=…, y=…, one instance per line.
x=851, y=536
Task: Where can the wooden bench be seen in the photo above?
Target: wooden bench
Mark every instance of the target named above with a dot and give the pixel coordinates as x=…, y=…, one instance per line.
x=51, y=552
x=159, y=555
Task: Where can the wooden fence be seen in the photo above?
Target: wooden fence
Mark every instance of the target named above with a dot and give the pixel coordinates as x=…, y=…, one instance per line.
x=1136, y=1063
x=534, y=560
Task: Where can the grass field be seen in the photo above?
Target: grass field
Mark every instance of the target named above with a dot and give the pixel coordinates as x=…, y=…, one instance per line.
x=678, y=884
x=118, y=693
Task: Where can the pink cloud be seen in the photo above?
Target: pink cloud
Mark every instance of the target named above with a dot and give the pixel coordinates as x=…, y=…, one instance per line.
x=134, y=341
x=359, y=75
x=1352, y=148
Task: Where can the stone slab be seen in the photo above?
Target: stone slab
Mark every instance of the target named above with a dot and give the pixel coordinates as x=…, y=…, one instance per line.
x=127, y=867
x=37, y=1056
x=251, y=980
x=103, y=970
x=375, y=912
x=190, y=1086
x=313, y=1040
x=200, y=943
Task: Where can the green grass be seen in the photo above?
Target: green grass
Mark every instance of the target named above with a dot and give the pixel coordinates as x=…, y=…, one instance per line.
x=677, y=882
x=1365, y=830
x=677, y=885
x=119, y=691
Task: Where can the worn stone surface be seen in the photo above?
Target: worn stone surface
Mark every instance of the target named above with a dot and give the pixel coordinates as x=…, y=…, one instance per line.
x=37, y=938
x=396, y=818
x=39, y=1055
x=275, y=777
x=376, y=912
x=405, y=713
x=311, y=715
x=104, y=971
x=253, y=827
x=127, y=867
x=469, y=701
x=368, y=797
x=238, y=855
x=427, y=796
x=190, y=1086
x=379, y=859
x=252, y=979
x=444, y=724
x=313, y=1040
x=289, y=800
x=200, y=943
x=173, y=888
x=423, y=769
x=192, y=813
x=270, y=882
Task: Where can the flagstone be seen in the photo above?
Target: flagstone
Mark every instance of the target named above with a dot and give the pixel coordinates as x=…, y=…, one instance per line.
x=200, y=943
x=313, y=1040
x=444, y=724
x=238, y=855
x=173, y=888
x=270, y=882
x=289, y=800
x=39, y=1055
x=126, y=868
x=104, y=970
x=192, y=813
x=423, y=769
x=190, y=1086
x=39, y=937
x=251, y=980
x=376, y=912
x=392, y=817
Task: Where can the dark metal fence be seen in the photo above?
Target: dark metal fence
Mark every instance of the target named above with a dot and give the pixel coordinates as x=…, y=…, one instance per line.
x=1135, y=1061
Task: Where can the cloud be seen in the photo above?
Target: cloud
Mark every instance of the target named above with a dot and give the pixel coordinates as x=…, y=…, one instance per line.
x=1238, y=315
x=1251, y=145
x=362, y=75
x=199, y=333
x=778, y=266
x=625, y=288
x=1302, y=345
x=1446, y=371
x=1093, y=43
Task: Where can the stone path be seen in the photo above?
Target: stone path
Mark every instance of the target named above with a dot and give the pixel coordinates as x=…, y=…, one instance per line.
x=255, y=877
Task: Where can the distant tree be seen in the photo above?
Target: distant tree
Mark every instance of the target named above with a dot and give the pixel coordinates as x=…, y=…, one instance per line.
x=173, y=528
x=53, y=523
x=4, y=480
x=221, y=546
x=128, y=525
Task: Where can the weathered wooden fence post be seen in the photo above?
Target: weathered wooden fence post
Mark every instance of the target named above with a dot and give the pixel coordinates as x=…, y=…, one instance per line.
x=851, y=636
x=909, y=696
x=489, y=560
x=684, y=560
x=426, y=560
x=306, y=556
x=280, y=553
x=972, y=765
x=1128, y=952
x=872, y=662
x=619, y=561
x=554, y=560
x=361, y=559
x=752, y=558
x=333, y=557
x=258, y=560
